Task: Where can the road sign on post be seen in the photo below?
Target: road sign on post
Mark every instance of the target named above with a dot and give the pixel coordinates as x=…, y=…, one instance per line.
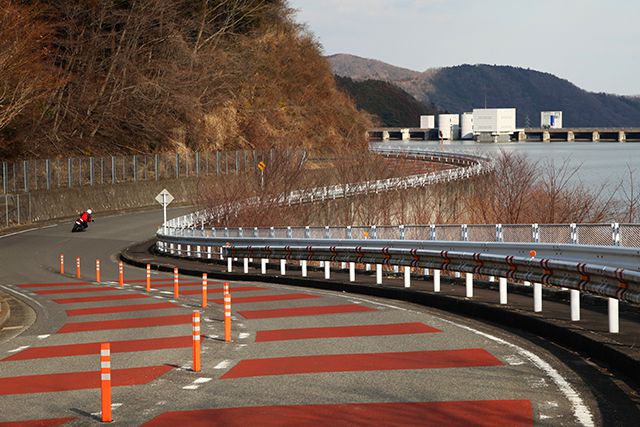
x=262, y=166
x=164, y=198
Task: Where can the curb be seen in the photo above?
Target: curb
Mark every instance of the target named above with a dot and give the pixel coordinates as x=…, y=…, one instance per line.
x=606, y=355
x=5, y=310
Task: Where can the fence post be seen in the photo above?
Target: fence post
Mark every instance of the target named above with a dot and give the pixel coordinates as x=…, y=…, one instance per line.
x=537, y=297
x=113, y=169
x=177, y=165
x=615, y=234
x=432, y=232
x=47, y=167
x=197, y=164
x=499, y=235
x=135, y=168
x=18, y=208
x=575, y=305
x=614, y=320
x=503, y=290
x=535, y=233
x=464, y=233
x=25, y=175
x=156, y=161
x=401, y=227
x=217, y=163
x=5, y=184
x=69, y=171
x=574, y=233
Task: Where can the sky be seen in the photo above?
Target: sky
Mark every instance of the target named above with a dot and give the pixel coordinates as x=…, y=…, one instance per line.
x=594, y=44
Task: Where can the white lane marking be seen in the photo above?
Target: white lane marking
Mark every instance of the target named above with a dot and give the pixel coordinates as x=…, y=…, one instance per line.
x=513, y=360
x=114, y=406
x=158, y=297
x=27, y=231
x=202, y=380
x=41, y=337
x=580, y=411
x=190, y=387
x=166, y=292
x=25, y=296
x=243, y=335
x=223, y=365
x=12, y=328
x=15, y=350
x=213, y=337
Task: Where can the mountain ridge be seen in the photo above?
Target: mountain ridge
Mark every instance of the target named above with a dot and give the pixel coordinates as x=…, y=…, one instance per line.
x=464, y=87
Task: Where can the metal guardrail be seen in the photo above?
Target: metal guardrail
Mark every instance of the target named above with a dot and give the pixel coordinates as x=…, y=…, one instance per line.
x=600, y=259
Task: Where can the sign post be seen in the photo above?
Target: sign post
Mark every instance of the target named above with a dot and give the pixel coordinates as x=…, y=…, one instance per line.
x=164, y=198
x=262, y=166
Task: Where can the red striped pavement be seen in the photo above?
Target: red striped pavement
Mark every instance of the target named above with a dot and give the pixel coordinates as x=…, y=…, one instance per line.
x=94, y=348
x=52, y=422
x=75, y=290
x=99, y=298
x=138, y=322
x=266, y=298
x=362, y=362
x=44, y=285
x=344, y=331
x=170, y=285
x=304, y=311
x=480, y=413
x=168, y=279
x=232, y=290
x=121, y=308
x=79, y=380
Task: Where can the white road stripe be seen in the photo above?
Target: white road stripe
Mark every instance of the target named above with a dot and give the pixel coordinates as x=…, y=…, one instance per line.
x=15, y=350
x=223, y=365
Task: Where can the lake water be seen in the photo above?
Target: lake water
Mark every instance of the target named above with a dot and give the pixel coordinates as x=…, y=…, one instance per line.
x=600, y=163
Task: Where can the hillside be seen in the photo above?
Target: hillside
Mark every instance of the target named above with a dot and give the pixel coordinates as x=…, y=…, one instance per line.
x=105, y=77
x=391, y=106
x=464, y=87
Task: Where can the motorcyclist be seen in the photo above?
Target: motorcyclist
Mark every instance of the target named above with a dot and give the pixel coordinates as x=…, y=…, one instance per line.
x=85, y=218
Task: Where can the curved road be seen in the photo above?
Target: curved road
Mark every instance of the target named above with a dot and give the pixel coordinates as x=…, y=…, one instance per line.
x=298, y=357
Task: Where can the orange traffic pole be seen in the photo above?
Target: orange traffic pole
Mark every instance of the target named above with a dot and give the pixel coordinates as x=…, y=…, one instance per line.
x=196, y=341
x=98, y=270
x=227, y=317
x=204, y=290
x=61, y=263
x=121, y=273
x=176, y=285
x=148, y=277
x=105, y=382
x=78, y=267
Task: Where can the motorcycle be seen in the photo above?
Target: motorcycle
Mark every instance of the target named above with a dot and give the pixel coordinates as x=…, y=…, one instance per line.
x=80, y=225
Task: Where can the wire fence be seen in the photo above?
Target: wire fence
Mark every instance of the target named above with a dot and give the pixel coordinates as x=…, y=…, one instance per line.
x=45, y=174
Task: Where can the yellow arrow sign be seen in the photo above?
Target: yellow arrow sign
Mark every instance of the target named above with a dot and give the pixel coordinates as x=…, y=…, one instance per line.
x=262, y=166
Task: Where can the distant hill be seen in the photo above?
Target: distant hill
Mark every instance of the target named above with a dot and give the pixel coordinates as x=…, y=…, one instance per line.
x=461, y=88
x=392, y=106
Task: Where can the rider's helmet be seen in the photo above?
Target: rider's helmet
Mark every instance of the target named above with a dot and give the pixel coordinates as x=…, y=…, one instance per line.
x=89, y=211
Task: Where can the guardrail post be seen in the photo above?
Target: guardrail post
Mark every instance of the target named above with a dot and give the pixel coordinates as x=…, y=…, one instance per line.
x=209, y=252
x=432, y=232
x=537, y=297
x=352, y=271
x=575, y=305
x=240, y=232
x=535, y=233
x=283, y=267
x=469, y=285
x=615, y=234
x=256, y=233
x=246, y=265
x=229, y=264
x=614, y=320
x=407, y=276
x=226, y=232
x=379, y=274
x=503, y=290
x=436, y=280
x=574, y=233
x=303, y=267
x=499, y=235
x=307, y=232
x=214, y=232
x=263, y=266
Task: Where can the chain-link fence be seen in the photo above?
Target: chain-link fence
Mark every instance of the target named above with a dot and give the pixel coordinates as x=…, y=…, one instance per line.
x=45, y=174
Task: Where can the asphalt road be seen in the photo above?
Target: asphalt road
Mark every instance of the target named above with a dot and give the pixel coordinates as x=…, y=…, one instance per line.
x=298, y=357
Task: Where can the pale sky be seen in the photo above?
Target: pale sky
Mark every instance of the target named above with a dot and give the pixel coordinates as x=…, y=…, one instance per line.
x=593, y=43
